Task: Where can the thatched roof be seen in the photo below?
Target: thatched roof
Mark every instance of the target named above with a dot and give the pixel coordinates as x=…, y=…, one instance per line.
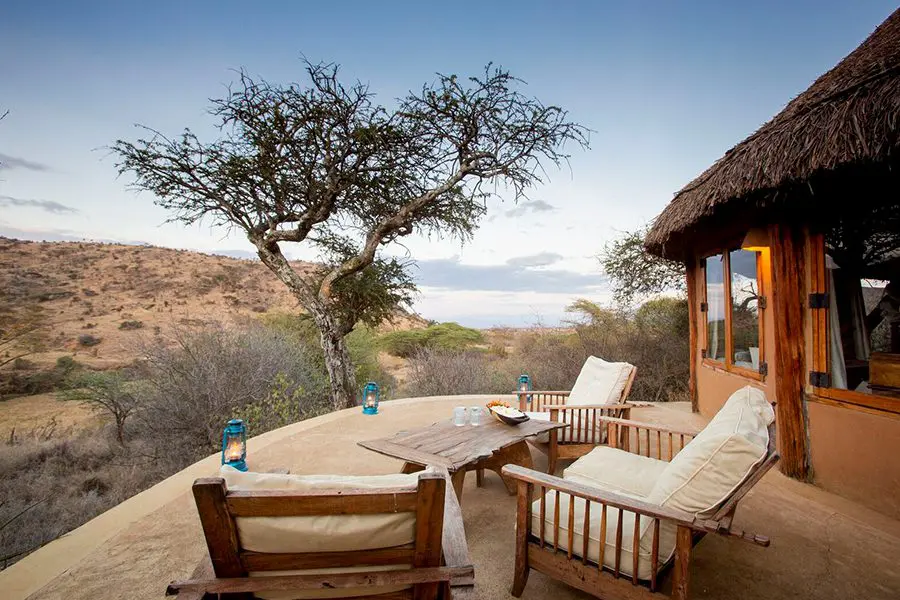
x=849, y=116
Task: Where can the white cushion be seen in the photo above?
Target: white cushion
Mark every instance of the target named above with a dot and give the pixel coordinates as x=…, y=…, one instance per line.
x=599, y=382
x=616, y=471
x=713, y=464
x=330, y=533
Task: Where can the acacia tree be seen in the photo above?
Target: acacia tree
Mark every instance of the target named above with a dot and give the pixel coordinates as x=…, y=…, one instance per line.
x=635, y=272
x=322, y=164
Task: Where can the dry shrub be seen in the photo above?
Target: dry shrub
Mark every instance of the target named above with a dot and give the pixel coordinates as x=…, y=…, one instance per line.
x=51, y=486
x=200, y=378
x=434, y=372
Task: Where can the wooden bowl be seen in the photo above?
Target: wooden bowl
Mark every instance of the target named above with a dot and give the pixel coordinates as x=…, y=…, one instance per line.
x=509, y=420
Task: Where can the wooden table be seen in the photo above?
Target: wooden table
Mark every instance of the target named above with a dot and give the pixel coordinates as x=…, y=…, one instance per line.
x=464, y=448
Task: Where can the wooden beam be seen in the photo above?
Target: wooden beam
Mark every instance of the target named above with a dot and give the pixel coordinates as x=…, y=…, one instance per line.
x=693, y=316
x=788, y=286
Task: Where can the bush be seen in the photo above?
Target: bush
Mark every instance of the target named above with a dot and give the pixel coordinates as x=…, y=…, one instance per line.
x=51, y=486
x=435, y=372
x=111, y=393
x=362, y=343
x=131, y=325
x=87, y=340
x=442, y=336
x=201, y=378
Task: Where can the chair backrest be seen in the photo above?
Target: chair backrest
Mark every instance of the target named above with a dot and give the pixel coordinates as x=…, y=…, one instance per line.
x=238, y=524
x=601, y=382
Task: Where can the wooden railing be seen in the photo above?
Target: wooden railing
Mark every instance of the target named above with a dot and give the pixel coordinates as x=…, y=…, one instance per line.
x=585, y=423
x=538, y=401
x=653, y=441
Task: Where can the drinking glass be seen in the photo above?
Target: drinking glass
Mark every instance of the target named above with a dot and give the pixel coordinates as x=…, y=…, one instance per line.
x=459, y=416
x=475, y=415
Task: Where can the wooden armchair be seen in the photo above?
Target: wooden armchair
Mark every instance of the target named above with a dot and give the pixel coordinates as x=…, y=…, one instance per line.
x=597, y=566
x=584, y=431
x=438, y=557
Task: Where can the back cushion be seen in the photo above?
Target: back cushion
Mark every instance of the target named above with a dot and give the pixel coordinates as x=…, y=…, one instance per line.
x=715, y=462
x=329, y=533
x=599, y=382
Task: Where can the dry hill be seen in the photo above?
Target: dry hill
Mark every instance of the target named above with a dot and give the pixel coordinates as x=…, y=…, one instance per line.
x=116, y=292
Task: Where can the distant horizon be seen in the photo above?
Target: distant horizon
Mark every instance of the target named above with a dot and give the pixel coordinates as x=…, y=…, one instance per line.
x=667, y=90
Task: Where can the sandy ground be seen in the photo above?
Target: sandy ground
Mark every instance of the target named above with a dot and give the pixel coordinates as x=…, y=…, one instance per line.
x=822, y=546
x=42, y=415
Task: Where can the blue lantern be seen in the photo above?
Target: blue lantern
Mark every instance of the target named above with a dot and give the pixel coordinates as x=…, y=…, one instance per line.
x=234, y=445
x=524, y=385
x=370, y=399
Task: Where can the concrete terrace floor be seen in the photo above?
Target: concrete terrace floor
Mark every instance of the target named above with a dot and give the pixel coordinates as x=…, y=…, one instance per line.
x=822, y=545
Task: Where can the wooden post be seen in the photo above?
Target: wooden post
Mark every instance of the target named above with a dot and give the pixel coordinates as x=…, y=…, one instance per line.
x=788, y=286
x=693, y=315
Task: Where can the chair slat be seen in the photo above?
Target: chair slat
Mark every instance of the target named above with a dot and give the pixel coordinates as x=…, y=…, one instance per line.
x=602, y=552
x=586, y=534
x=654, y=555
x=556, y=522
x=635, y=548
x=543, y=513
x=292, y=504
x=571, y=525
x=257, y=561
x=619, y=541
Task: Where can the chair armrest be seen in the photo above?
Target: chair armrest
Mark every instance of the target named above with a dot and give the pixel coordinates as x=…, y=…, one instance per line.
x=596, y=494
x=645, y=509
x=618, y=407
x=539, y=398
x=628, y=423
x=317, y=581
x=454, y=546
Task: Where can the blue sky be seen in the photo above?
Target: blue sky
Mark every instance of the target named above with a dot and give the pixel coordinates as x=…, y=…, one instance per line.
x=667, y=87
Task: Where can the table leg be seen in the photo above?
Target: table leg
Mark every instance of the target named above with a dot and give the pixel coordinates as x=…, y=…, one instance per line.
x=409, y=467
x=516, y=454
x=458, y=479
x=479, y=477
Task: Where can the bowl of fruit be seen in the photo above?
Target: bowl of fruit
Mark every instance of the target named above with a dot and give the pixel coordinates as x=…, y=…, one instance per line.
x=504, y=413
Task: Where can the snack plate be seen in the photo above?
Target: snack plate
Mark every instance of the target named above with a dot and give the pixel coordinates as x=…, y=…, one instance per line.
x=509, y=420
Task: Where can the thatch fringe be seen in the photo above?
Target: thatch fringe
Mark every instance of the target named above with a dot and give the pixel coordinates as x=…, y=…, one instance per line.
x=850, y=115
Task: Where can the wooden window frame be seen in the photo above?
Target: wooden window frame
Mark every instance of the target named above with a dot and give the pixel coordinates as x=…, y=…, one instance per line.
x=821, y=357
x=728, y=364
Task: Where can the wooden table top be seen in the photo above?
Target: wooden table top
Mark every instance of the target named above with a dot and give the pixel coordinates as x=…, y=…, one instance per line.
x=444, y=444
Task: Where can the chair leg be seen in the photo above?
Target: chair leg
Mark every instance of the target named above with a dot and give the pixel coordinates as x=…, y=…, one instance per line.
x=520, y=578
x=681, y=569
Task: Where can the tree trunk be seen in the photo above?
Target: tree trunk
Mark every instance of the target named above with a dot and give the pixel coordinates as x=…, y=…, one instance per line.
x=341, y=373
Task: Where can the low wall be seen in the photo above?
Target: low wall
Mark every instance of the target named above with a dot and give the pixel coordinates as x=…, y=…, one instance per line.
x=856, y=455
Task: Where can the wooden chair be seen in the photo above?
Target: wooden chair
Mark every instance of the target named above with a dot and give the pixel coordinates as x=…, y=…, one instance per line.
x=583, y=433
x=533, y=552
x=439, y=557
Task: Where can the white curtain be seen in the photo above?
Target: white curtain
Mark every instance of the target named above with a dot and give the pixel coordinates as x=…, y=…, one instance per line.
x=836, y=349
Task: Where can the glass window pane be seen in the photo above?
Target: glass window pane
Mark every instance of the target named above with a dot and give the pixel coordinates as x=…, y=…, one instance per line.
x=745, y=309
x=715, y=307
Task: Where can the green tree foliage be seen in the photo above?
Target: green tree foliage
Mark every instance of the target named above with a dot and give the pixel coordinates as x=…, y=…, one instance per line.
x=636, y=273
x=441, y=336
x=109, y=392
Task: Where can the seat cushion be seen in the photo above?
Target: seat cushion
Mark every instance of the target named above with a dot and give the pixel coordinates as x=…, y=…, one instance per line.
x=599, y=382
x=616, y=471
x=716, y=461
x=593, y=533
x=331, y=533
